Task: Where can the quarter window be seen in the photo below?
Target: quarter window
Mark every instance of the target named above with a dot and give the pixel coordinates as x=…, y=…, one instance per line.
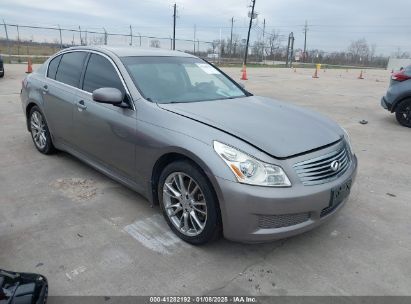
x=100, y=73
x=70, y=67
x=53, y=65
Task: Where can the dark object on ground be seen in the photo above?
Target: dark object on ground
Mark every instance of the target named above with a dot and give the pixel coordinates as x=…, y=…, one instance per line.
x=363, y=122
x=390, y=194
x=22, y=288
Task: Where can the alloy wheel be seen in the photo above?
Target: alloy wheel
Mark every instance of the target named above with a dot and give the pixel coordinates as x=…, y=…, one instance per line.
x=38, y=130
x=184, y=203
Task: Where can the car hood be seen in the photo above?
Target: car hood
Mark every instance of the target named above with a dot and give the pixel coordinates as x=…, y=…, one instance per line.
x=279, y=129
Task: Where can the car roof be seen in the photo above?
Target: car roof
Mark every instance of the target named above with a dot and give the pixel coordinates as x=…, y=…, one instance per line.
x=128, y=51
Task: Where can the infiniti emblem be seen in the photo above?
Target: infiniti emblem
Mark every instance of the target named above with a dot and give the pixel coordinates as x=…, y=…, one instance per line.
x=335, y=165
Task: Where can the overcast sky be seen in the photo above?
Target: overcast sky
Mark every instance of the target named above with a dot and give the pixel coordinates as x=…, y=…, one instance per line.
x=332, y=24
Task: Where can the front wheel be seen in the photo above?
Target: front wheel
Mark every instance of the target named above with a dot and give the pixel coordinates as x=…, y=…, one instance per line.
x=40, y=132
x=403, y=113
x=188, y=203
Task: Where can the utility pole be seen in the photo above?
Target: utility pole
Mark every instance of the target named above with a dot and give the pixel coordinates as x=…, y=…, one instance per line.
x=174, y=26
x=81, y=40
x=249, y=30
x=220, y=50
x=61, y=39
x=263, y=46
x=231, y=36
x=7, y=38
x=131, y=35
x=18, y=41
x=305, y=40
x=290, y=50
x=105, y=36
x=194, y=40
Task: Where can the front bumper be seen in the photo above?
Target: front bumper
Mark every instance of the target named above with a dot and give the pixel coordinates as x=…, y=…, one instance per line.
x=385, y=104
x=246, y=209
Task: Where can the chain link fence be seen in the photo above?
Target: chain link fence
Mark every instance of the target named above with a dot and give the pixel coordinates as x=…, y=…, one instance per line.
x=18, y=42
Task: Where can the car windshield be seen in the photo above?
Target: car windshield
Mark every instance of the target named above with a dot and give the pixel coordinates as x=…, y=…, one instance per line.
x=179, y=79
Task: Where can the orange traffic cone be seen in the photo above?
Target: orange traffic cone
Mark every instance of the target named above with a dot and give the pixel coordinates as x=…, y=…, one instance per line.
x=361, y=76
x=29, y=66
x=316, y=74
x=244, y=74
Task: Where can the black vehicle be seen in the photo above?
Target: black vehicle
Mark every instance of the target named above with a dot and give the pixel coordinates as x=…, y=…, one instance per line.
x=398, y=97
x=1, y=67
x=22, y=288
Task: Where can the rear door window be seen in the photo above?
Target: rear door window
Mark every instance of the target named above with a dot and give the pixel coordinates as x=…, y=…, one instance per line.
x=100, y=73
x=70, y=67
x=53, y=65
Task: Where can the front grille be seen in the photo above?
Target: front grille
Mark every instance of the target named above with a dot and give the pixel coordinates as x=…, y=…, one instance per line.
x=282, y=220
x=318, y=170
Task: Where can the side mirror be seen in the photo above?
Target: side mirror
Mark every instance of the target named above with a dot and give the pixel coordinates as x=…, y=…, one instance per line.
x=108, y=95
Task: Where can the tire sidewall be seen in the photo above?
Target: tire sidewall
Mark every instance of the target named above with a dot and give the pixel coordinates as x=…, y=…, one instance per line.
x=212, y=229
x=399, y=117
x=49, y=148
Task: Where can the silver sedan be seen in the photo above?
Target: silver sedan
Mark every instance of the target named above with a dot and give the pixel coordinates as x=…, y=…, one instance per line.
x=171, y=126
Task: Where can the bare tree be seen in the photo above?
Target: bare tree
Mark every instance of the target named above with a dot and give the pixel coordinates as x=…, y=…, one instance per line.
x=401, y=55
x=258, y=48
x=274, y=43
x=360, y=50
x=155, y=43
x=372, y=51
x=214, y=44
x=236, y=43
x=96, y=40
x=223, y=47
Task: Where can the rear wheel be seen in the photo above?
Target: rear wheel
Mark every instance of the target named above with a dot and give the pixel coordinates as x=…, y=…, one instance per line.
x=188, y=203
x=403, y=113
x=40, y=132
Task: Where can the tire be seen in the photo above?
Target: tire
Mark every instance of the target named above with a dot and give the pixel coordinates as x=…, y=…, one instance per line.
x=205, y=226
x=403, y=113
x=2, y=74
x=40, y=135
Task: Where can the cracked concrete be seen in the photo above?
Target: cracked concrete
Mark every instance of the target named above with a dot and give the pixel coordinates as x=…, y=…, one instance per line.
x=365, y=250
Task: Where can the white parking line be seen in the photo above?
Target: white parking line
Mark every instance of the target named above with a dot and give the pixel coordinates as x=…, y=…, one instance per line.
x=154, y=233
x=75, y=272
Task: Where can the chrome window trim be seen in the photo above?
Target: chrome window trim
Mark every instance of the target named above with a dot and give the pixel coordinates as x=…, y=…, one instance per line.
x=81, y=90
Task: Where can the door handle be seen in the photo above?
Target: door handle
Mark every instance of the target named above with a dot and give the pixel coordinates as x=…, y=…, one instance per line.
x=81, y=105
x=45, y=89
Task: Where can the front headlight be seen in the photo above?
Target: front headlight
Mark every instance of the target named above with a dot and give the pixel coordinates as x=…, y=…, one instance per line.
x=348, y=141
x=249, y=170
